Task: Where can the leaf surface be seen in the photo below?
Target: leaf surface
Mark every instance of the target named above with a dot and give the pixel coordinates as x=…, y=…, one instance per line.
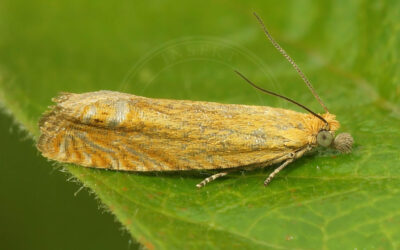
x=349, y=50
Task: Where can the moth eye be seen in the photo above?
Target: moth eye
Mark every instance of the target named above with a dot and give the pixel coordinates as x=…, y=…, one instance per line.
x=324, y=138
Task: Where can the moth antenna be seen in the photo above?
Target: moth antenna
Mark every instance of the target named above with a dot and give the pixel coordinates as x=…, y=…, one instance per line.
x=281, y=96
x=297, y=68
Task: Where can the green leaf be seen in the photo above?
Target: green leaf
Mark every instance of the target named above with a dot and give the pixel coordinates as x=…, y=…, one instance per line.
x=348, y=49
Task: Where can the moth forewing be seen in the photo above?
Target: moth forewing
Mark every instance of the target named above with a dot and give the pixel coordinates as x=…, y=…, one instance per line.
x=114, y=130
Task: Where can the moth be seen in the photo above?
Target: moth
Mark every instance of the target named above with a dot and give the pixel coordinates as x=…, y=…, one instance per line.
x=118, y=131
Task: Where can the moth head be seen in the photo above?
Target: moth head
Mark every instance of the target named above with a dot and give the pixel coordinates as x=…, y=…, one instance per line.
x=342, y=142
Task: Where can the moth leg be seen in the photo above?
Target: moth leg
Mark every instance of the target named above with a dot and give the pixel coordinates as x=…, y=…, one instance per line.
x=277, y=170
x=290, y=158
x=211, y=178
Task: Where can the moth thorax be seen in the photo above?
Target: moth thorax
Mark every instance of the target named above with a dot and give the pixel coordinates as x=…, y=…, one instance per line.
x=343, y=142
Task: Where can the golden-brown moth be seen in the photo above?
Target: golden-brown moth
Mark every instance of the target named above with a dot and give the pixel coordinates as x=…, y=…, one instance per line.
x=119, y=131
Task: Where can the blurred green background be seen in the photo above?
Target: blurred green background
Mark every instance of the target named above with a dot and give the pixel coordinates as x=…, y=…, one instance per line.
x=188, y=50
